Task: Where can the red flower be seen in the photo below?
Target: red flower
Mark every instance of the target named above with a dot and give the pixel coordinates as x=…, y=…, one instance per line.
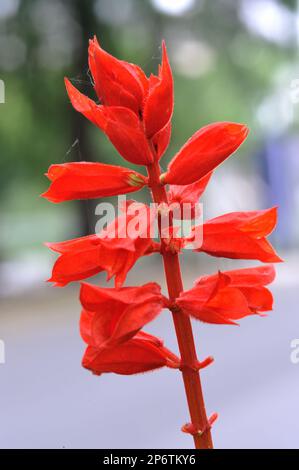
x=241, y=235
x=112, y=251
x=204, y=151
x=112, y=316
x=142, y=353
x=189, y=195
x=85, y=180
x=117, y=83
x=121, y=125
x=225, y=297
x=133, y=108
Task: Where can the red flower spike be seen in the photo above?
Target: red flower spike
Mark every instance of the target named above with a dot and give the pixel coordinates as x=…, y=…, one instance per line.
x=204, y=151
x=158, y=106
x=86, y=256
x=241, y=235
x=121, y=125
x=135, y=114
x=113, y=316
x=86, y=180
x=188, y=194
x=133, y=357
x=117, y=83
x=225, y=297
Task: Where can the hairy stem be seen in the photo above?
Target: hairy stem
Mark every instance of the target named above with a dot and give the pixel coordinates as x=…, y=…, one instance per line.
x=183, y=328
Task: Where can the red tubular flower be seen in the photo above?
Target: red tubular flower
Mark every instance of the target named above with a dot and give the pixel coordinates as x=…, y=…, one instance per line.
x=204, y=151
x=112, y=316
x=142, y=353
x=121, y=125
x=117, y=83
x=86, y=180
x=110, y=251
x=241, y=235
x=225, y=297
x=158, y=107
x=131, y=104
x=188, y=194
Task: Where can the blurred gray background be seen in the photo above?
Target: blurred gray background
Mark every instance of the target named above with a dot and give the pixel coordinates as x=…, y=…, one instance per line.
x=232, y=60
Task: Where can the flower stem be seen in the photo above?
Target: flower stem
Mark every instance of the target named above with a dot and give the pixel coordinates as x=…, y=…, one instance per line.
x=183, y=328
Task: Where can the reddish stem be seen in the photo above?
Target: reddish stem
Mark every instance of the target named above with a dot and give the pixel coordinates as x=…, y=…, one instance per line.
x=183, y=328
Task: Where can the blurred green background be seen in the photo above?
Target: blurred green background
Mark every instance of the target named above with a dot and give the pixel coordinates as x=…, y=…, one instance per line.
x=232, y=60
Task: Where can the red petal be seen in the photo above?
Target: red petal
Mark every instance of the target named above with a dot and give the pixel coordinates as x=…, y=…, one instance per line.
x=259, y=298
x=85, y=257
x=161, y=140
x=117, y=83
x=189, y=195
x=204, y=151
x=76, y=244
x=113, y=250
x=241, y=235
x=132, y=357
x=78, y=260
x=119, y=313
x=147, y=337
x=86, y=106
x=126, y=133
x=86, y=180
x=158, y=107
x=121, y=125
x=86, y=327
x=139, y=75
x=225, y=297
x=94, y=298
x=260, y=275
x=257, y=223
x=230, y=303
x=236, y=245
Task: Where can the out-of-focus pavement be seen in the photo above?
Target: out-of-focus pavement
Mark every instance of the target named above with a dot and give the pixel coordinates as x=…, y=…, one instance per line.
x=49, y=401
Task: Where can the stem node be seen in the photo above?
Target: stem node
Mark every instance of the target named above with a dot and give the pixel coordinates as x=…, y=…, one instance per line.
x=189, y=428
